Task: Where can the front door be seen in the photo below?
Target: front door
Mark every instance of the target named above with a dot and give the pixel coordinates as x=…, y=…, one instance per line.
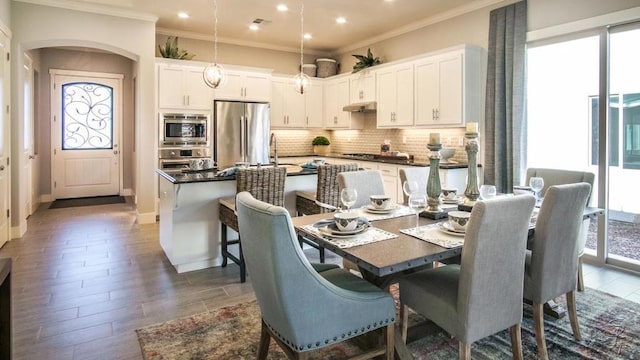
x=85, y=132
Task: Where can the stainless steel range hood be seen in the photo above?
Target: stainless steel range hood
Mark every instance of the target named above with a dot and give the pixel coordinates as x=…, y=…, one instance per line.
x=361, y=107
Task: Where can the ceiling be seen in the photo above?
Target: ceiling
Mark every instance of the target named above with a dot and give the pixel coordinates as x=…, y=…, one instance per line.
x=367, y=20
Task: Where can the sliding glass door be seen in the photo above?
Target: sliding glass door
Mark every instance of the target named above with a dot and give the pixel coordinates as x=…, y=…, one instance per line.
x=565, y=129
x=623, y=245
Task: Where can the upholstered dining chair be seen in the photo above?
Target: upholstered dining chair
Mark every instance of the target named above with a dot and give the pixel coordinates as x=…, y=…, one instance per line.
x=325, y=199
x=551, y=265
x=303, y=310
x=559, y=177
x=266, y=184
x=366, y=183
x=419, y=174
x=481, y=296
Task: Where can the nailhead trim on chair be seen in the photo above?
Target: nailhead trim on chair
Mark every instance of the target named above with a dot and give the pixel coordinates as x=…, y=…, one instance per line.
x=375, y=325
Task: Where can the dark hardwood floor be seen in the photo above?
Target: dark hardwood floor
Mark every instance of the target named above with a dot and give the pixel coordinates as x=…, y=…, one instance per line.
x=85, y=278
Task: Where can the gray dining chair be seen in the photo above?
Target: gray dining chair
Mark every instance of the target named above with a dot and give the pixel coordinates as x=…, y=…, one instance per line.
x=481, y=296
x=303, y=310
x=366, y=183
x=419, y=174
x=559, y=177
x=551, y=265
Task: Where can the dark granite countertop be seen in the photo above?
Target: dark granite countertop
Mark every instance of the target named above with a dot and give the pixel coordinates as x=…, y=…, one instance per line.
x=178, y=177
x=376, y=158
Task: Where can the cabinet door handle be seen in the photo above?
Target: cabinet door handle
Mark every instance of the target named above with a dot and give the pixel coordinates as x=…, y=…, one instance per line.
x=307, y=120
x=188, y=100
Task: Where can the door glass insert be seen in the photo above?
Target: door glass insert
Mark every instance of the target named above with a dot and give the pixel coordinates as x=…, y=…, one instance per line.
x=87, y=116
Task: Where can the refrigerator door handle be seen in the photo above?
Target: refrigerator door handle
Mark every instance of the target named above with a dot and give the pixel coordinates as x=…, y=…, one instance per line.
x=246, y=138
x=242, y=138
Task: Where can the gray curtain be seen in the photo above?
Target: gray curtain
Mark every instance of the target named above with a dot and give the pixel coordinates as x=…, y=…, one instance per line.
x=505, y=112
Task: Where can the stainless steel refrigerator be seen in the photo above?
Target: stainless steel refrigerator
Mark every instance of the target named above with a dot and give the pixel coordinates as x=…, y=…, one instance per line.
x=241, y=132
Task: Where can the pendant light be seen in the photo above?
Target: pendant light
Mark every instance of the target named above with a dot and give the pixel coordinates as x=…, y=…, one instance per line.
x=301, y=81
x=214, y=74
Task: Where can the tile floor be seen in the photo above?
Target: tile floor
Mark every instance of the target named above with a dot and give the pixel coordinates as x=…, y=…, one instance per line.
x=85, y=278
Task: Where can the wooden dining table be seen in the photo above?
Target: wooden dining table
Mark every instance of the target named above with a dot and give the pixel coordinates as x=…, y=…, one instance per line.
x=384, y=262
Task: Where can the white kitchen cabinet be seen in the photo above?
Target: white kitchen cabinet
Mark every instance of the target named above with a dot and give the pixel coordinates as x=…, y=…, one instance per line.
x=336, y=96
x=362, y=86
x=287, y=105
x=245, y=85
x=395, y=96
x=182, y=87
x=314, y=108
x=447, y=88
x=292, y=110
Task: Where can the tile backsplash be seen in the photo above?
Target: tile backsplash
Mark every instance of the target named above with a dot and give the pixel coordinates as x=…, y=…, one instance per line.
x=368, y=140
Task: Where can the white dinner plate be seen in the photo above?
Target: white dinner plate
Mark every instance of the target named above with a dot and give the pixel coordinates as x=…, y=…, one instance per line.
x=390, y=209
x=447, y=229
x=333, y=231
x=452, y=201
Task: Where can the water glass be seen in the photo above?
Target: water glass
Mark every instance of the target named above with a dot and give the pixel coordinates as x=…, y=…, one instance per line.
x=536, y=184
x=487, y=192
x=409, y=187
x=418, y=202
x=348, y=197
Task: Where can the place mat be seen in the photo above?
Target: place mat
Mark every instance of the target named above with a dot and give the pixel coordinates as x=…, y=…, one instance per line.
x=401, y=211
x=371, y=235
x=432, y=233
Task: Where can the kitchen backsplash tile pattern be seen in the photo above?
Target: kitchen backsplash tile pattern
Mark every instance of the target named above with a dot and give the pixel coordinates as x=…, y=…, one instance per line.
x=368, y=140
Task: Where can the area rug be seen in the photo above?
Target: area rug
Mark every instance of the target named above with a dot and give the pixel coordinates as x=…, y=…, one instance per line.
x=87, y=201
x=610, y=330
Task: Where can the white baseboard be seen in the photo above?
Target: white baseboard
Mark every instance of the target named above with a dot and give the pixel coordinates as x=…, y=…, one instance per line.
x=18, y=231
x=146, y=218
x=44, y=198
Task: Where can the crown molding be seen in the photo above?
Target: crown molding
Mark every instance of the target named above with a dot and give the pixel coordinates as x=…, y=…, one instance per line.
x=93, y=8
x=231, y=41
x=460, y=10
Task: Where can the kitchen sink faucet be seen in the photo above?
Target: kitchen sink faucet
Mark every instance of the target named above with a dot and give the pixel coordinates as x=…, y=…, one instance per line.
x=274, y=142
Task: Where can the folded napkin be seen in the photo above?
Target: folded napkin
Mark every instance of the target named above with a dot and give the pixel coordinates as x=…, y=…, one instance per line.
x=227, y=172
x=309, y=165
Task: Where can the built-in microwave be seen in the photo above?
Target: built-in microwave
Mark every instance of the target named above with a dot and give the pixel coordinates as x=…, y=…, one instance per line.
x=184, y=129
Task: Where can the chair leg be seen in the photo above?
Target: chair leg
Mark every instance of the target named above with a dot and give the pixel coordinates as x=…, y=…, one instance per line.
x=538, y=325
x=265, y=340
x=580, y=275
x=390, y=341
x=573, y=315
x=223, y=243
x=243, y=269
x=404, y=321
x=464, y=351
x=516, y=342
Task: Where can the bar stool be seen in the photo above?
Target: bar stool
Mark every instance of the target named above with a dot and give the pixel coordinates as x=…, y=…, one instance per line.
x=265, y=184
x=326, y=198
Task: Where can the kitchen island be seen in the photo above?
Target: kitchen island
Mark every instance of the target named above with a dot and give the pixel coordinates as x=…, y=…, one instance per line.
x=189, y=201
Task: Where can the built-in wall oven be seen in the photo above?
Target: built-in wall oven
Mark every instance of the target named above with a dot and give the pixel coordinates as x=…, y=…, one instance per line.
x=183, y=137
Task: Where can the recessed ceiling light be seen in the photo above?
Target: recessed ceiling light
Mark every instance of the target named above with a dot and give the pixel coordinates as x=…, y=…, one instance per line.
x=254, y=27
x=183, y=15
x=307, y=36
x=282, y=7
x=341, y=20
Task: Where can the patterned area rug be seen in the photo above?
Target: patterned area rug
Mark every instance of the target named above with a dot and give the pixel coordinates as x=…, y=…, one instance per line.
x=610, y=330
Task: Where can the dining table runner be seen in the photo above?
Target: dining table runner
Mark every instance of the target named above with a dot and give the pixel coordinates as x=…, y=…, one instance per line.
x=371, y=235
x=434, y=234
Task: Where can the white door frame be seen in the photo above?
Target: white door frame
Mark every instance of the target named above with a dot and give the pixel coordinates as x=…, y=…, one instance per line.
x=118, y=110
x=27, y=198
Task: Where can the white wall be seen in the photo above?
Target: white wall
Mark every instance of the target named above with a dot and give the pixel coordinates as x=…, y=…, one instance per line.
x=5, y=13
x=36, y=26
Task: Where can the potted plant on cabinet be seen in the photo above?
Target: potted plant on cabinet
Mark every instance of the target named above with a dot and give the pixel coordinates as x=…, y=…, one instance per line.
x=320, y=145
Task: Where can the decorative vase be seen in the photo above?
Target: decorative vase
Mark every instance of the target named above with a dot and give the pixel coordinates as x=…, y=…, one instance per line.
x=321, y=149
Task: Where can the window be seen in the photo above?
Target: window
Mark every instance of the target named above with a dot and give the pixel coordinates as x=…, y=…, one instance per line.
x=87, y=116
